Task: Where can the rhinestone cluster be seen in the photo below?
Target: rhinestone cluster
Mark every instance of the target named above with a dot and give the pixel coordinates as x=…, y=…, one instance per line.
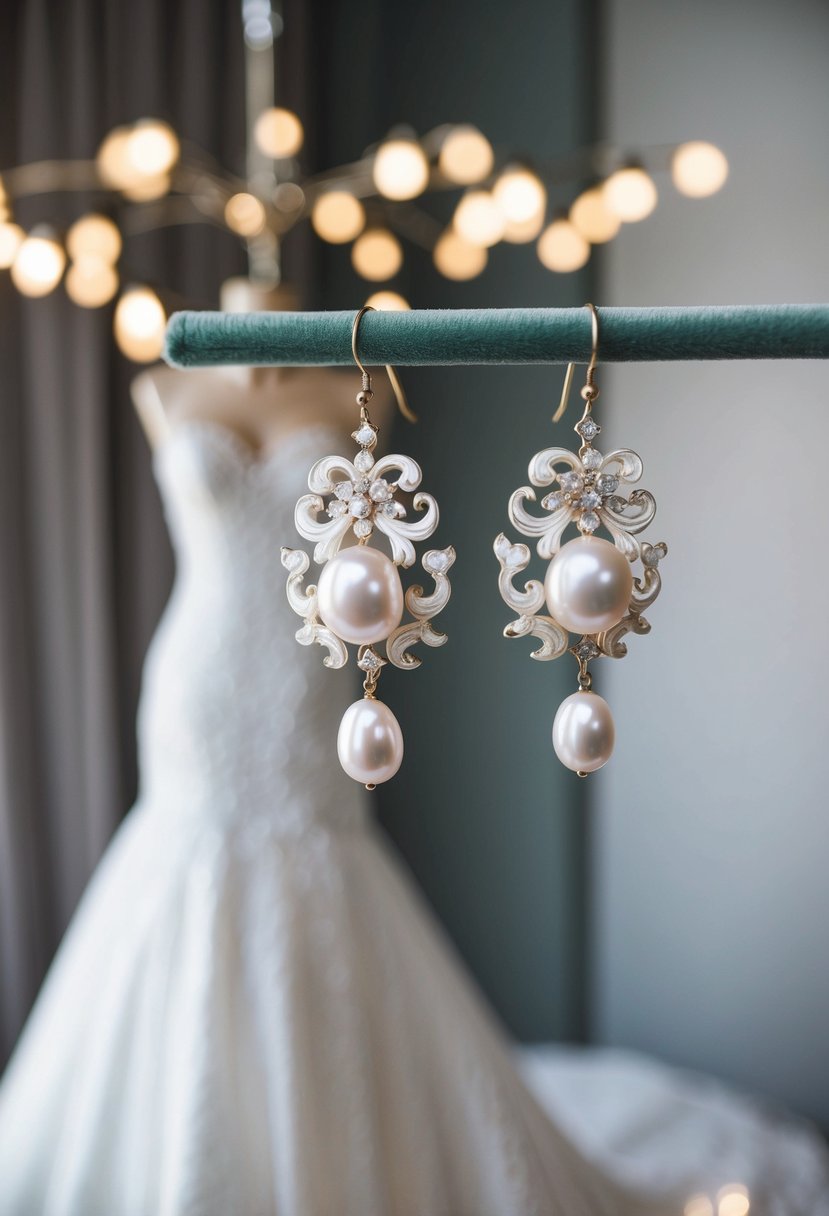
x=366, y=497
x=587, y=492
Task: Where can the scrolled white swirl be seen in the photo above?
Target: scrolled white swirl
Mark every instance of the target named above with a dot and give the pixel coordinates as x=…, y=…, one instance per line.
x=398, y=643
x=402, y=533
x=327, y=535
x=512, y=559
x=410, y=472
x=321, y=479
x=542, y=470
x=554, y=639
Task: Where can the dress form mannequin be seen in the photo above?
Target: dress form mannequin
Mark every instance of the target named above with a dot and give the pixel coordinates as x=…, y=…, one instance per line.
x=261, y=405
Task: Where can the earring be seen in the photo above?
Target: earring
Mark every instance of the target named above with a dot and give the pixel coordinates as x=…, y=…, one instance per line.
x=359, y=597
x=589, y=587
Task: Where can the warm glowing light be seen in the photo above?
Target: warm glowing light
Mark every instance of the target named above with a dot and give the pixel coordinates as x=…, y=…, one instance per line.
x=11, y=238
x=562, y=248
x=520, y=195
x=38, y=265
x=732, y=1200
x=528, y=230
x=699, y=1205
x=91, y=281
x=278, y=133
x=245, y=214
x=139, y=324
x=94, y=236
x=630, y=194
x=388, y=301
x=590, y=216
x=147, y=188
x=152, y=147
x=478, y=219
x=338, y=216
x=377, y=255
x=137, y=159
x=466, y=156
x=698, y=169
x=457, y=259
x=115, y=167
x=400, y=169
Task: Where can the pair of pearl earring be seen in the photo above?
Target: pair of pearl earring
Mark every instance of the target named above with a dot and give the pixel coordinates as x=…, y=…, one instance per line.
x=589, y=587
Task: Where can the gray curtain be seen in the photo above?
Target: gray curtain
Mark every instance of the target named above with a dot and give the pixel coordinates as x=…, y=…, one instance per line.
x=84, y=553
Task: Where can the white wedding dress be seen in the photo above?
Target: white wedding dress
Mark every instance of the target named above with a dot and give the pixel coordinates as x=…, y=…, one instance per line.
x=253, y=1013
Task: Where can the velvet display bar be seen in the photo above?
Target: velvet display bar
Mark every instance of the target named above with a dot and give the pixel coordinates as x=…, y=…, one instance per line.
x=499, y=335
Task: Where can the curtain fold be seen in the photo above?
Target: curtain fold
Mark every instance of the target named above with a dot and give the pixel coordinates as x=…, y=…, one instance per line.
x=84, y=552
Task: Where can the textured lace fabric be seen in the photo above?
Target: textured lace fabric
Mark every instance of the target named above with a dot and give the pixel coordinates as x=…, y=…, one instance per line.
x=253, y=1013
x=237, y=722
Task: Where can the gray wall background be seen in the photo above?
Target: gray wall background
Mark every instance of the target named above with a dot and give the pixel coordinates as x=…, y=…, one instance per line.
x=711, y=901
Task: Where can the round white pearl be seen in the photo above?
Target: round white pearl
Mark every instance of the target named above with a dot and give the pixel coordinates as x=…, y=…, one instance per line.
x=359, y=595
x=583, y=732
x=370, y=742
x=588, y=585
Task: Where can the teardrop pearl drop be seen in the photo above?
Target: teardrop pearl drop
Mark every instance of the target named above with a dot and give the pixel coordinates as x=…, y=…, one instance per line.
x=360, y=596
x=588, y=585
x=370, y=742
x=583, y=732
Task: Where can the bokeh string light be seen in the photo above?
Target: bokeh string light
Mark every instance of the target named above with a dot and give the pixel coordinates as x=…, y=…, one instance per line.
x=730, y=1200
x=375, y=205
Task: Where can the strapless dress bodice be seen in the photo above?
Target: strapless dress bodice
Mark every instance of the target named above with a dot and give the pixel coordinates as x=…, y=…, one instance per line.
x=237, y=721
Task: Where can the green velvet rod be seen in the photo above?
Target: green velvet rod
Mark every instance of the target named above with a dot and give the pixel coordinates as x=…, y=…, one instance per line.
x=499, y=335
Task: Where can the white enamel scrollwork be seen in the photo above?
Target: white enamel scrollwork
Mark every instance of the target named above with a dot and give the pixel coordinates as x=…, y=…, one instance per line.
x=303, y=600
x=529, y=623
x=362, y=498
x=422, y=609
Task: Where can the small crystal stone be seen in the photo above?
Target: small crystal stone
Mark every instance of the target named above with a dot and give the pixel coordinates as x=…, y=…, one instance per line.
x=589, y=521
x=365, y=435
x=370, y=661
x=337, y=508
x=617, y=504
x=585, y=649
x=380, y=490
x=344, y=490
x=359, y=507
x=571, y=483
x=361, y=486
x=590, y=499
x=363, y=527
x=591, y=459
x=553, y=501
x=363, y=461
x=607, y=483
x=395, y=509
x=588, y=428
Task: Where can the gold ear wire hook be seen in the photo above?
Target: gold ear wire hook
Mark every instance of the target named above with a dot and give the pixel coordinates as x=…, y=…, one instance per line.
x=394, y=379
x=591, y=367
